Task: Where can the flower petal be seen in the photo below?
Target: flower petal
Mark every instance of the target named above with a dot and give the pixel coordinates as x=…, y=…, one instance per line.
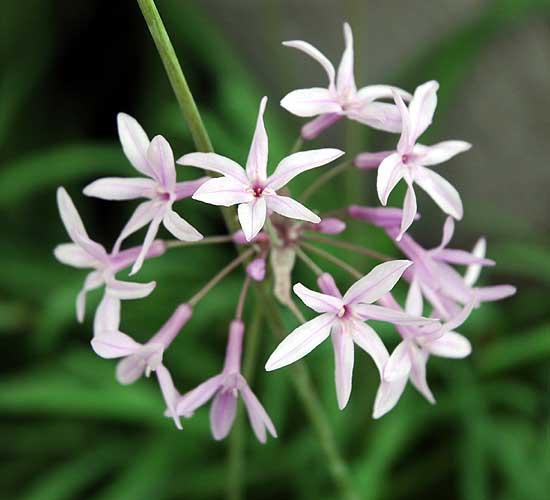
x=418, y=373
x=69, y=214
x=259, y=419
x=440, y=190
x=134, y=142
x=256, y=164
x=222, y=413
x=409, y=211
x=150, y=235
x=215, y=163
x=93, y=280
x=368, y=340
x=345, y=81
x=161, y=162
x=450, y=345
x=121, y=188
x=169, y=392
x=127, y=290
x=310, y=102
x=143, y=214
x=314, y=53
x=195, y=398
x=377, y=283
x=381, y=313
x=319, y=302
x=129, y=369
x=180, y=228
x=186, y=189
x=399, y=364
x=327, y=285
x=390, y=172
x=342, y=343
x=107, y=315
x=286, y=206
x=374, y=92
x=448, y=231
x=252, y=217
x=443, y=151
x=300, y=342
x=407, y=139
x=73, y=255
x=224, y=191
x=422, y=108
x=378, y=115
x=492, y=293
x=473, y=271
x=296, y=163
x=414, y=304
x=114, y=344
x=387, y=396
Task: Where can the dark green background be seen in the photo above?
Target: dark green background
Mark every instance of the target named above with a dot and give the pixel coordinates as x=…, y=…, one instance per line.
x=69, y=431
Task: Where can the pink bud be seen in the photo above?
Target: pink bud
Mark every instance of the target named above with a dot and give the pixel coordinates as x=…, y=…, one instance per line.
x=313, y=128
x=330, y=225
x=327, y=285
x=256, y=269
x=380, y=216
x=370, y=160
x=240, y=239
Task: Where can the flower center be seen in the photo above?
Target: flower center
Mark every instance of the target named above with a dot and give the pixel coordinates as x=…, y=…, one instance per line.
x=405, y=159
x=344, y=312
x=257, y=190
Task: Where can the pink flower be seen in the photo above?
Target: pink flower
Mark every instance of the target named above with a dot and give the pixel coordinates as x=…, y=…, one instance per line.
x=224, y=388
x=256, y=269
x=408, y=360
x=155, y=160
x=344, y=317
x=84, y=253
x=251, y=189
x=341, y=98
x=144, y=358
x=410, y=160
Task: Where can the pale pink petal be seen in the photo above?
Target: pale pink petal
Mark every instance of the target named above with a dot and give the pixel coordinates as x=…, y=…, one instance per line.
x=134, y=142
x=180, y=228
x=69, y=215
x=310, y=102
x=142, y=215
x=451, y=283
x=186, y=189
x=409, y=211
x=378, y=115
x=368, y=340
x=127, y=290
x=407, y=139
x=256, y=164
x=450, y=345
x=399, y=364
x=169, y=392
x=345, y=81
x=161, y=162
x=460, y=317
x=314, y=53
x=448, y=231
x=73, y=255
x=319, y=302
x=93, y=280
x=418, y=373
x=296, y=163
x=150, y=235
x=224, y=191
x=314, y=127
x=287, y=207
x=195, y=398
x=327, y=285
x=386, y=218
x=121, y=188
x=222, y=413
x=442, y=151
x=390, y=172
x=377, y=283
x=381, y=313
x=129, y=369
x=124, y=258
x=374, y=92
x=342, y=343
x=462, y=258
x=371, y=160
x=93, y=249
x=440, y=190
x=252, y=217
x=387, y=396
x=414, y=304
x=422, y=108
x=107, y=315
x=113, y=344
x=259, y=419
x=300, y=342
x=215, y=163
x=492, y=293
x=473, y=271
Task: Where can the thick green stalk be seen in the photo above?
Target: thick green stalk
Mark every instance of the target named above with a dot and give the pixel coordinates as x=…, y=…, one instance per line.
x=202, y=141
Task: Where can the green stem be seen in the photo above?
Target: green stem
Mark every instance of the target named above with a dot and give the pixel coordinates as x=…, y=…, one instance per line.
x=202, y=141
x=332, y=258
x=373, y=254
x=323, y=179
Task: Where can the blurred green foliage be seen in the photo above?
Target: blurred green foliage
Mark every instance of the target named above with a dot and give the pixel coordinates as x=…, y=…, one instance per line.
x=69, y=431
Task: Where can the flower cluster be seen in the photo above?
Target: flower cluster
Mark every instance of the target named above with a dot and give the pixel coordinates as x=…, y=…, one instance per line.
x=276, y=231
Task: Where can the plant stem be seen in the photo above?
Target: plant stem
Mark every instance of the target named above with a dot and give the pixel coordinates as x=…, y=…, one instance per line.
x=205, y=241
x=220, y=276
x=349, y=246
x=297, y=145
x=335, y=260
x=308, y=262
x=242, y=298
x=323, y=179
